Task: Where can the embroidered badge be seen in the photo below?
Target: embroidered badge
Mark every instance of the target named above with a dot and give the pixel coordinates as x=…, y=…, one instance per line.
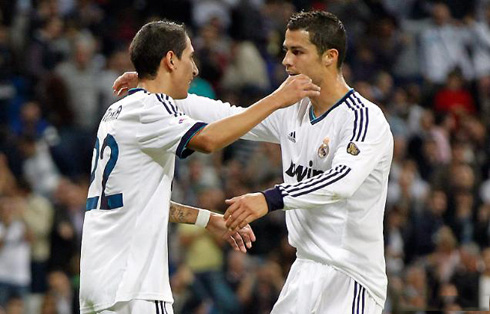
x=353, y=149
x=324, y=149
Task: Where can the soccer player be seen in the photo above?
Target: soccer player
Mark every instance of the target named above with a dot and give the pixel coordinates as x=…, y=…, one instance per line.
x=124, y=243
x=337, y=149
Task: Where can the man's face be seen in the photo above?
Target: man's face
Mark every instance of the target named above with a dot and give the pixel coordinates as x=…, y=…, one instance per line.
x=185, y=72
x=302, y=56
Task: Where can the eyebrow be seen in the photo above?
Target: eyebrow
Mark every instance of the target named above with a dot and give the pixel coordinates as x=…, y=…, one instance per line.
x=292, y=47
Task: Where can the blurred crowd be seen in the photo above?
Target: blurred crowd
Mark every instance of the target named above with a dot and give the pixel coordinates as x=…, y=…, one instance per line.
x=426, y=63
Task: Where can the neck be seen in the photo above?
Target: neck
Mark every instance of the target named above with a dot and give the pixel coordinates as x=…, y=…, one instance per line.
x=333, y=88
x=159, y=85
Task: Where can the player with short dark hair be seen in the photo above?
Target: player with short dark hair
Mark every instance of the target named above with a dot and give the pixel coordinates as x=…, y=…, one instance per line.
x=124, y=258
x=336, y=149
x=325, y=31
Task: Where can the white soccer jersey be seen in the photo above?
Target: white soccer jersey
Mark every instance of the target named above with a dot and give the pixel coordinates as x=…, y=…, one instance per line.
x=124, y=241
x=336, y=170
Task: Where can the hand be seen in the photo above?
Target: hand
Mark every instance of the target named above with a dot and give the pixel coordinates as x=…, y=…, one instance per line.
x=240, y=240
x=124, y=82
x=295, y=88
x=244, y=209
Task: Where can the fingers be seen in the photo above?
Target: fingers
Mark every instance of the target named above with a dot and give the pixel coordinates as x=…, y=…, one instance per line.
x=124, y=82
x=234, y=223
x=231, y=200
x=248, y=236
x=310, y=93
x=119, y=84
x=252, y=235
x=302, y=86
x=231, y=209
x=239, y=242
x=232, y=242
x=121, y=91
x=232, y=214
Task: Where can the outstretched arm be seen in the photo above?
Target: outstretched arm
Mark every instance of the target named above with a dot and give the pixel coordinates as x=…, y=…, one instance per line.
x=223, y=132
x=240, y=240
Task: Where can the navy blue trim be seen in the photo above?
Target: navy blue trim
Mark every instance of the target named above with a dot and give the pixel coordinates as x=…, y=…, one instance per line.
x=135, y=90
x=112, y=201
x=357, y=112
x=360, y=124
x=314, y=120
x=359, y=298
x=355, y=124
x=315, y=180
x=340, y=176
x=164, y=104
x=363, y=295
x=274, y=199
x=312, y=114
x=91, y=203
x=182, y=150
x=354, y=298
x=174, y=108
x=366, y=126
x=367, y=117
x=361, y=118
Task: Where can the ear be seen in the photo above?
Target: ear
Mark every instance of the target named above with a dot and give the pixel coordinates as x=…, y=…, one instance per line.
x=169, y=61
x=330, y=57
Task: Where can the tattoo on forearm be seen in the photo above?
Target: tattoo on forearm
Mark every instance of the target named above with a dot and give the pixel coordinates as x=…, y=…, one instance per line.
x=179, y=213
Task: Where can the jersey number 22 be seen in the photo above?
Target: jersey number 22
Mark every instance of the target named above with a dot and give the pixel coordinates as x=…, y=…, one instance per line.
x=106, y=201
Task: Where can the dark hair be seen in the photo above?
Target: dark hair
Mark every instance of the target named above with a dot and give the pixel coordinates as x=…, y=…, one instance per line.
x=152, y=42
x=326, y=31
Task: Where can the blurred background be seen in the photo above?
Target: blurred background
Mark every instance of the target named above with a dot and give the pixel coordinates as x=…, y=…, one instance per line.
x=425, y=63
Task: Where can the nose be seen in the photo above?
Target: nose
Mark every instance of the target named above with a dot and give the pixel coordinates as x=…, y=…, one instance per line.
x=286, y=61
x=195, y=70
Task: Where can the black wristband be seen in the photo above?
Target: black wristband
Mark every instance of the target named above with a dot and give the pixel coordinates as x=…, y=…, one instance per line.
x=273, y=197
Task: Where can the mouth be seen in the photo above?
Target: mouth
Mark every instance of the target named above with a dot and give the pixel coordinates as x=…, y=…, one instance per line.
x=290, y=73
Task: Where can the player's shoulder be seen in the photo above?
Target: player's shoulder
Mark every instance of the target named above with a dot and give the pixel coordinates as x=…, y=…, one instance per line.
x=358, y=106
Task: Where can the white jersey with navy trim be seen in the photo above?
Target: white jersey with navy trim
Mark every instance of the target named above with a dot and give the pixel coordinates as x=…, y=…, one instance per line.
x=335, y=170
x=124, y=242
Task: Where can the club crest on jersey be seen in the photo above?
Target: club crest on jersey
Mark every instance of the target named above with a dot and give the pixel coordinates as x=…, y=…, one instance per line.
x=324, y=149
x=292, y=136
x=353, y=149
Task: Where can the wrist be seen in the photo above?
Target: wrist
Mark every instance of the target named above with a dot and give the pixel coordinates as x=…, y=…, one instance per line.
x=273, y=198
x=277, y=101
x=203, y=217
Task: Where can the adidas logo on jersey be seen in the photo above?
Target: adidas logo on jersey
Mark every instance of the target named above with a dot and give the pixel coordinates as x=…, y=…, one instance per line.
x=292, y=136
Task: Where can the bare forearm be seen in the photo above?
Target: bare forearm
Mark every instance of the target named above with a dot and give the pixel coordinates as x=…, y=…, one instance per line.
x=223, y=132
x=182, y=213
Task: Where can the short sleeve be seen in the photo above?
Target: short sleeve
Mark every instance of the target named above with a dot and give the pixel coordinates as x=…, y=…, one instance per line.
x=163, y=128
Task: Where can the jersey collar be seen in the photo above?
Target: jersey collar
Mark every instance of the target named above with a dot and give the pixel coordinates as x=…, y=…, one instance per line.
x=314, y=119
x=135, y=90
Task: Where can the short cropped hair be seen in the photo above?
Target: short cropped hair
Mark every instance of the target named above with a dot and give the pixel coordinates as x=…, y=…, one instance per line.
x=152, y=43
x=325, y=29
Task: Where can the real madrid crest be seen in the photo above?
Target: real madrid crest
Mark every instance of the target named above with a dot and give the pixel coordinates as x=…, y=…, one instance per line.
x=353, y=149
x=324, y=149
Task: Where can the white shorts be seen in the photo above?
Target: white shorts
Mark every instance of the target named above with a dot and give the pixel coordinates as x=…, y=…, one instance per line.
x=314, y=288
x=140, y=306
